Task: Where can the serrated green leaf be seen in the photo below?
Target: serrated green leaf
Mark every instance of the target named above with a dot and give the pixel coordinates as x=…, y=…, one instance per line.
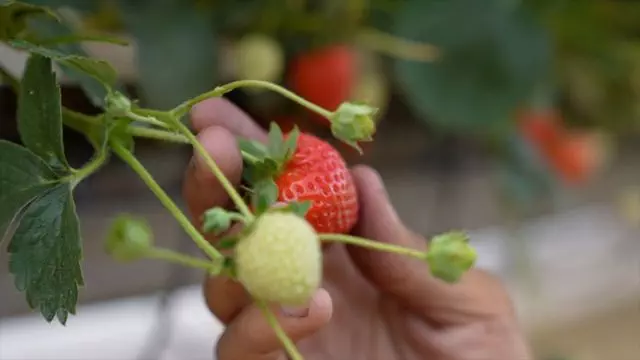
x=92, y=87
x=98, y=69
x=493, y=57
x=45, y=254
x=23, y=178
x=276, y=142
x=265, y=194
x=176, y=45
x=40, y=114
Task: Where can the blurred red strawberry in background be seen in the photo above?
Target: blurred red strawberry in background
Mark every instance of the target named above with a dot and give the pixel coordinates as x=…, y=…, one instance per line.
x=575, y=156
x=324, y=76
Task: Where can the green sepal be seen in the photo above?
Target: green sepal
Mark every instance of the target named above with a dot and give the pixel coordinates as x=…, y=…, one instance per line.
x=265, y=194
x=269, y=160
x=227, y=243
x=217, y=220
x=254, y=148
x=276, y=141
x=299, y=208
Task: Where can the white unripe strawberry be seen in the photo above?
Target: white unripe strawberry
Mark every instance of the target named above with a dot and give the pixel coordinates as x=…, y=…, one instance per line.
x=280, y=259
x=259, y=57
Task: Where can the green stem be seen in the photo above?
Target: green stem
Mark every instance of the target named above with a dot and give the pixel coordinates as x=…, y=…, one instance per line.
x=147, y=119
x=366, y=243
x=289, y=346
x=164, y=135
x=157, y=134
x=231, y=191
x=400, y=48
x=91, y=167
x=133, y=162
x=185, y=107
x=177, y=258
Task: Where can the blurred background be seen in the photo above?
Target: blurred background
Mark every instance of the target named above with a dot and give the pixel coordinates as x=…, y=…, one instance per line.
x=515, y=120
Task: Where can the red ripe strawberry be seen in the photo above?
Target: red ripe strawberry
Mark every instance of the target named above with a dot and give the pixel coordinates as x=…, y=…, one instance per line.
x=324, y=76
x=544, y=129
x=578, y=157
x=317, y=172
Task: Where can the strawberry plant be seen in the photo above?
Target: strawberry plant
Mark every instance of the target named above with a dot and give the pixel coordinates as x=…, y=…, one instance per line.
x=300, y=191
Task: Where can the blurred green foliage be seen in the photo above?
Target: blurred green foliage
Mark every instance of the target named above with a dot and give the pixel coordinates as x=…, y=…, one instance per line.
x=496, y=57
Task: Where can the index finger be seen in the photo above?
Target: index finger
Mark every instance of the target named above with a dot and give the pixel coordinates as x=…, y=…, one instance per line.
x=218, y=122
x=222, y=112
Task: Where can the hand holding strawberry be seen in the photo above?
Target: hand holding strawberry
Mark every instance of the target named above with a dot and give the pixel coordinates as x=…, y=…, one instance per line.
x=364, y=294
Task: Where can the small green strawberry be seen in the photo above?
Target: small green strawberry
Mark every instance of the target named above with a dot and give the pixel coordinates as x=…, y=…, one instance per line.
x=279, y=259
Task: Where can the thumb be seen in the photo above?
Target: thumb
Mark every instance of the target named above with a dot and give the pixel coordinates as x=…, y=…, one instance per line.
x=250, y=337
x=407, y=279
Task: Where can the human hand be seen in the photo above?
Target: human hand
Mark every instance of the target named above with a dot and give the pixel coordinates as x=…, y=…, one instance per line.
x=372, y=305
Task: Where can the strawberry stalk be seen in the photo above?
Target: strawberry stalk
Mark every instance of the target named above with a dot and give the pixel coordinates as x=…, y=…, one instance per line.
x=374, y=245
x=181, y=259
x=449, y=255
x=289, y=346
x=226, y=184
x=197, y=237
x=185, y=107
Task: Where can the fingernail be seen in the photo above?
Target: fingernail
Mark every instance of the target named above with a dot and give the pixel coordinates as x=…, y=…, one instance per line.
x=320, y=299
x=292, y=311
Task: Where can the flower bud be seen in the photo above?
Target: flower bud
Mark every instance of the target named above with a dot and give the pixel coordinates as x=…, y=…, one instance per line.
x=129, y=238
x=353, y=122
x=117, y=104
x=450, y=256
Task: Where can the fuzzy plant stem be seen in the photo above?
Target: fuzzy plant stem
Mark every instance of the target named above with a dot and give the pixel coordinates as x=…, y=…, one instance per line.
x=289, y=346
x=226, y=184
x=374, y=245
x=197, y=237
x=185, y=107
x=177, y=258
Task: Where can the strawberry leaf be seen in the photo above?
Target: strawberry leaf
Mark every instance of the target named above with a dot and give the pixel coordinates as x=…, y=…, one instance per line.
x=45, y=253
x=265, y=194
x=164, y=36
x=489, y=66
x=39, y=113
x=23, y=178
x=14, y=16
x=98, y=69
x=92, y=87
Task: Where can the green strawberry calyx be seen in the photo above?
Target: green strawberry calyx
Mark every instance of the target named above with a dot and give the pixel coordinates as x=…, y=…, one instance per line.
x=353, y=122
x=450, y=255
